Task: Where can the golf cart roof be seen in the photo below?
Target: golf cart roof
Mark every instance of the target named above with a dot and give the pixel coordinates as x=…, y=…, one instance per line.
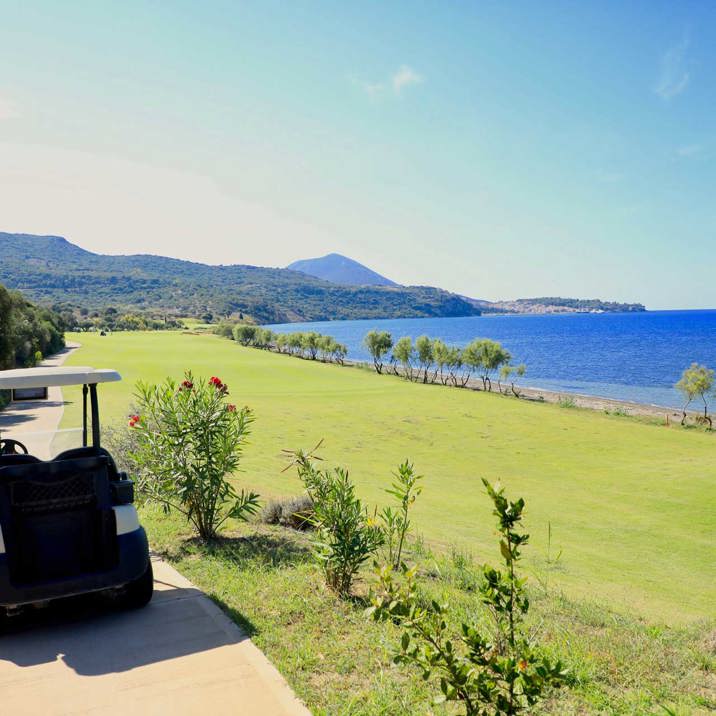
x=46, y=377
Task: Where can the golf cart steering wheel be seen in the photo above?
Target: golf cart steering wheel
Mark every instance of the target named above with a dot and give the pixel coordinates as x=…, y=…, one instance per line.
x=8, y=446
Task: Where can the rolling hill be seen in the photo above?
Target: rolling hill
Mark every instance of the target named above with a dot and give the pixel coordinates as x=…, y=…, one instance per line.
x=340, y=269
x=54, y=271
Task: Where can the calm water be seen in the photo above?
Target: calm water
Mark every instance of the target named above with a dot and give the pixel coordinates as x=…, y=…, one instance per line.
x=630, y=356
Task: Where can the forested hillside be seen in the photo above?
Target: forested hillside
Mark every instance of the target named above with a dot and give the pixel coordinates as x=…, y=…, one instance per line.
x=52, y=270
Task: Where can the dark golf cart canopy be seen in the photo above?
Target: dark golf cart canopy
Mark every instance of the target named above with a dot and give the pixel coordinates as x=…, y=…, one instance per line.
x=88, y=378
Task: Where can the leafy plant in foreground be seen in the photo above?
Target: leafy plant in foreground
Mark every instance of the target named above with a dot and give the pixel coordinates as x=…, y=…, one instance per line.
x=396, y=522
x=498, y=673
x=345, y=537
x=188, y=441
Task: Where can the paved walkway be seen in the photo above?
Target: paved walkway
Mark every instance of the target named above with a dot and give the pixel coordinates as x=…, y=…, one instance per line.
x=37, y=420
x=180, y=656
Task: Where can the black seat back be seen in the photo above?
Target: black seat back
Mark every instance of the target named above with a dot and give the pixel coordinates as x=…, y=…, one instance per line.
x=57, y=519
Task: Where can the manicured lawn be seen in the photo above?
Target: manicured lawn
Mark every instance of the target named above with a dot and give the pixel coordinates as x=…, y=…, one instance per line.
x=631, y=505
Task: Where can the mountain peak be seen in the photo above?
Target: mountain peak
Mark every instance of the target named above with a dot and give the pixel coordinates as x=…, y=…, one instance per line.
x=340, y=269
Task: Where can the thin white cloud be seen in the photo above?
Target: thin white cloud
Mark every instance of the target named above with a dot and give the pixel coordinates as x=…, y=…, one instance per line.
x=405, y=77
x=674, y=76
x=690, y=150
x=8, y=109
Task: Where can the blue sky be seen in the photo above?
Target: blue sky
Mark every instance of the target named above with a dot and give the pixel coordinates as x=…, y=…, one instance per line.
x=495, y=149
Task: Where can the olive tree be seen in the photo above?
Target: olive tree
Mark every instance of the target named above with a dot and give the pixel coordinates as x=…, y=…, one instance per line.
x=424, y=353
x=378, y=344
x=471, y=360
x=492, y=357
x=311, y=343
x=696, y=381
x=455, y=364
x=295, y=343
x=441, y=356
x=507, y=372
x=404, y=354
x=245, y=334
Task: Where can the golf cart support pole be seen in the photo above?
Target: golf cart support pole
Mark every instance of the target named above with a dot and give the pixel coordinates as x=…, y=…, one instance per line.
x=84, y=415
x=95, y=414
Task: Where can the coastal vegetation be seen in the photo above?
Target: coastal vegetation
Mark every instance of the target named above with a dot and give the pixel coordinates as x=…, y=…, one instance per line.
x=51, y=270
x=430, y=359
x=625, y=605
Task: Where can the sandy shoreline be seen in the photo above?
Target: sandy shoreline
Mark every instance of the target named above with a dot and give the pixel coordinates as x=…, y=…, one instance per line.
x=590, y=402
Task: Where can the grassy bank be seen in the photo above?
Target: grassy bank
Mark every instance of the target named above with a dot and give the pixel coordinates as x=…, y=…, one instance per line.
x=630, y=505
x=338, y=661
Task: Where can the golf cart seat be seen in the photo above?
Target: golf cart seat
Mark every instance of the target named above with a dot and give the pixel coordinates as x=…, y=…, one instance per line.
x=91, y=451
x=8, y=460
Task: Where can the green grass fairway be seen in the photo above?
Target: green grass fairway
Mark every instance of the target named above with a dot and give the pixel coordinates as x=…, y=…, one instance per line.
x=631, y=505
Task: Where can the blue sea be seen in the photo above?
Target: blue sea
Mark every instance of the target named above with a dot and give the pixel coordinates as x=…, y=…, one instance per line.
x=628, y=356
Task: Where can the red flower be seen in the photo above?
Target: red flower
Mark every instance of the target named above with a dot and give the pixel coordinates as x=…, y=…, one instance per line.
x=133, y=420
x=231, y=408
x=186, y=385
x=216, y=382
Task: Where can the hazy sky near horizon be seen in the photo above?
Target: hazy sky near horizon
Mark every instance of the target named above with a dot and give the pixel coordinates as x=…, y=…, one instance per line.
x=494, y=149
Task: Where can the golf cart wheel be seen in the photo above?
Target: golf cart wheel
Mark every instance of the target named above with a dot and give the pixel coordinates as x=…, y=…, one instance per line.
x=138, y=593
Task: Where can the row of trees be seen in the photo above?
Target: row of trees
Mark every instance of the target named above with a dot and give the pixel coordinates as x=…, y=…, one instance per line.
x=429, y=360
x=112, y=319
x=302, y=344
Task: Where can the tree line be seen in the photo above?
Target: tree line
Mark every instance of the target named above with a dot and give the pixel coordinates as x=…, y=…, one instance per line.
x=302, y=344
x=27, y=332
x=429, y=360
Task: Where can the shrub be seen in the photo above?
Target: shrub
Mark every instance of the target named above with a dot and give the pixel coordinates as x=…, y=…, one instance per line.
x=189, y=440
x=396, y=523
x=497, y=673
x=345, y=537
x=294, y=512
x=567, y=401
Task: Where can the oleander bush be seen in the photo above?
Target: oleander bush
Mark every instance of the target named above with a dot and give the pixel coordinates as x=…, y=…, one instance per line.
x=189, y=441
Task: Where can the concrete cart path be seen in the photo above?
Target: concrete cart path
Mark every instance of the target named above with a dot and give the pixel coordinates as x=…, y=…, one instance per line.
x=181, y=656
x=38, y=419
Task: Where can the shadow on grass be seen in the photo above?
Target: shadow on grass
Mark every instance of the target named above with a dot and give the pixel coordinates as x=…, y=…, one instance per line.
x=253, y=550
x=243, y=622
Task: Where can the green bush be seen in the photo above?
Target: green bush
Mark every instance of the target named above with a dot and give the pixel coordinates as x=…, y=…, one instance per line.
x=345, y=537
x=189, y=440
x=497, y=671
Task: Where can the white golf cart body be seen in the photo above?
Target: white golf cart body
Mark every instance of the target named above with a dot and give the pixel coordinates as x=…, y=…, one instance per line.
x=68, y=524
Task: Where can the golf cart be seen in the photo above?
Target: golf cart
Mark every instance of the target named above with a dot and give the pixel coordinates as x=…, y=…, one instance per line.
x=67, y=523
